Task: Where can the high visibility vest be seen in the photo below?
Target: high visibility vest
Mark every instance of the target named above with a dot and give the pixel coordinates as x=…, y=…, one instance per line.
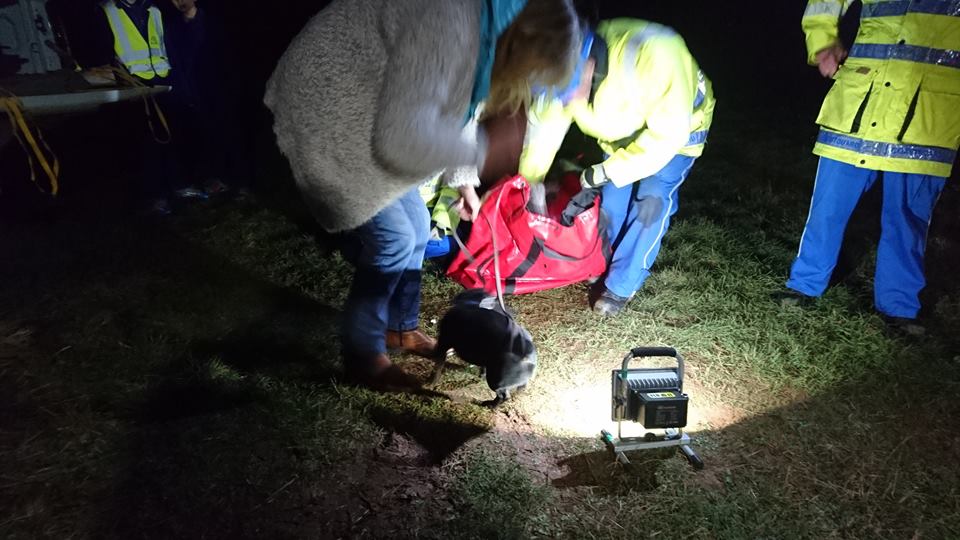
x=653, y=104
x=144, y=58
x=895, y=103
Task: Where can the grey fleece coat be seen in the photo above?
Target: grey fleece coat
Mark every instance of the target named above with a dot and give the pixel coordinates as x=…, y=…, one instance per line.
x=370, y=100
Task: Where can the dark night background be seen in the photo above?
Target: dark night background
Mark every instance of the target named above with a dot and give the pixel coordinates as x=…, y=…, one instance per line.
x=755, y=57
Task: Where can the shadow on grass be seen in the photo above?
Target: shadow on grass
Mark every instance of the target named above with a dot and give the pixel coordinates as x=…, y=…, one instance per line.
x=182, y=396
x=441, y=437
x=873, y=457
x=600, y=471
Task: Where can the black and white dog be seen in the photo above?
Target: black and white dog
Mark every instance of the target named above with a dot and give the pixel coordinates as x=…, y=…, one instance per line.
x=483, y=334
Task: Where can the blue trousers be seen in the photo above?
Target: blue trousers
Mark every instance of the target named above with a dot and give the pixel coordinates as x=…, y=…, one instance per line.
x=385, y=293
x=908, y=201
x=639, y=216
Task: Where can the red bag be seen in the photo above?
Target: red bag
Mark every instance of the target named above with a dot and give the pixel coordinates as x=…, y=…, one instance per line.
x=535, y=252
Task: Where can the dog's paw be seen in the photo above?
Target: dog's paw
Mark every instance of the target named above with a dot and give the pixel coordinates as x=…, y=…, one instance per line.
x=493, y=403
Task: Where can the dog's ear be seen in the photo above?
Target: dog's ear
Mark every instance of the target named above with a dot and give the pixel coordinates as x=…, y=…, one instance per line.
x=521, y=342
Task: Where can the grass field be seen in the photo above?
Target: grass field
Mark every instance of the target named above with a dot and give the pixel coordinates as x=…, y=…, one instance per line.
x=182, y=380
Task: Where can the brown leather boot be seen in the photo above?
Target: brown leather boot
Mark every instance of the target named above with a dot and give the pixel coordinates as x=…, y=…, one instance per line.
x=412, y=341
x=379, y=373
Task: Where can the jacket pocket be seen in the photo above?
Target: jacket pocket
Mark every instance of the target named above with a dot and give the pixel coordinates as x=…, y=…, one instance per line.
x=936, y=116
x=842, y=105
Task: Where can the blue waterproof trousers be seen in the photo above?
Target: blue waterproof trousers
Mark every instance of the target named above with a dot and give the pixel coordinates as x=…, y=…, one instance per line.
x=908, y=201
x=385, y=293
x=639, y=217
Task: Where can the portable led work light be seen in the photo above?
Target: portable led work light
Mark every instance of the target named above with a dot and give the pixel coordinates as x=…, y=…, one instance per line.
x=653, y=398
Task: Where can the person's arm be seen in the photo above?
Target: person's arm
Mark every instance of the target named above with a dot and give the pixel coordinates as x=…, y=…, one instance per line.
x=410, y=135
x=665, y=91
x=821, y=26
x=466, y=176
x=504, y=142
x=547, y=124
x=466, y=180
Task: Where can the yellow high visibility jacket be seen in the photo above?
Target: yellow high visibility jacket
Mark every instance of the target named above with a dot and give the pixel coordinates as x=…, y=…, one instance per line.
x=895, y=102
x=144, y=58
x=653, y=104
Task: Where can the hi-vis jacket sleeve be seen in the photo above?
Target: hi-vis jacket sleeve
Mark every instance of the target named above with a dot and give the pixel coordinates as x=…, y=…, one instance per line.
x=821, y=22
x=664, y=93
x=547, y=124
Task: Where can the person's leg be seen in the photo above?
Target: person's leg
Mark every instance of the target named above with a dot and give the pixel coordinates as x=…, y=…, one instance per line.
x=240, y=151
x=908, y=201
x=153, y=170
x=836, y=191
x=404, y=306
x=648, y=220
x=179, y=156
x=615, y=203
x=388, y=241
x=219, y=132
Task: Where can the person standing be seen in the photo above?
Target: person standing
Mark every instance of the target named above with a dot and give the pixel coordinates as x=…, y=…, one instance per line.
x=372, y=99
x=212, y=129
x=138, y=38
x=136, y=33
x=641, y=94
x=893, y=116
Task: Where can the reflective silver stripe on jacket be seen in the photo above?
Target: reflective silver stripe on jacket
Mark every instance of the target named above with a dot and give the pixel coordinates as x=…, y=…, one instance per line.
x=155, y=22
x=897, y=8
x=887, y=150
x=632, y=48
x=823, y=8
x=119, y=32
x=910, y=53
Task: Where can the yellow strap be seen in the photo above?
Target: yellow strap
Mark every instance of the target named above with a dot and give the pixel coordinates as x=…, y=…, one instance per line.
x=32, y=144
x=24, y=135
x=148, y=100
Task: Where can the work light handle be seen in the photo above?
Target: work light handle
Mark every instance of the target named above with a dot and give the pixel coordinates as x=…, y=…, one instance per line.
x=640, y=352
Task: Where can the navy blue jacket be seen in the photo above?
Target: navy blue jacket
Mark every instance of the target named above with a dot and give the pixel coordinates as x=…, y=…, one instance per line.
x=196, y=54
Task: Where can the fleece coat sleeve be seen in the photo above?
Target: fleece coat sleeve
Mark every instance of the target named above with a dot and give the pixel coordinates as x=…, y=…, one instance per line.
x=411, y=136
x=458, y=177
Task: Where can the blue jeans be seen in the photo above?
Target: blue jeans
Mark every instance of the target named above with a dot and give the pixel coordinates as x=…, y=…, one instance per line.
x=639, y=216
x=385, y=293
x=908, y=201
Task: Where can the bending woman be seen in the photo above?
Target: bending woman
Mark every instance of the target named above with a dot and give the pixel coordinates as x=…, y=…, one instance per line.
x=376, y=96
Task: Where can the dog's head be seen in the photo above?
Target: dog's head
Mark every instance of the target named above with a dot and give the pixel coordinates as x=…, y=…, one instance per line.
x=505, y=348
x=518, y=365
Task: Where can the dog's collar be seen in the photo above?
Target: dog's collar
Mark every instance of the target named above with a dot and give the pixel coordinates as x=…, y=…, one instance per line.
x=490, y=302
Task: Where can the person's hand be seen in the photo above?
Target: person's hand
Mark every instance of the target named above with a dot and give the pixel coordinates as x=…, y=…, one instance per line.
x=580, y=203
x=594, y=176
x=829, y=59
x=100, y=76
x=468, y=205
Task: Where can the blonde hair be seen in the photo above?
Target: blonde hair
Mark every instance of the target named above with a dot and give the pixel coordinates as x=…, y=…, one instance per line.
x=539, y=48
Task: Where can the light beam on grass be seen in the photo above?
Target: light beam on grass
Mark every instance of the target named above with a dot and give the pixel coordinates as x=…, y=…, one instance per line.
x=581, y=408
